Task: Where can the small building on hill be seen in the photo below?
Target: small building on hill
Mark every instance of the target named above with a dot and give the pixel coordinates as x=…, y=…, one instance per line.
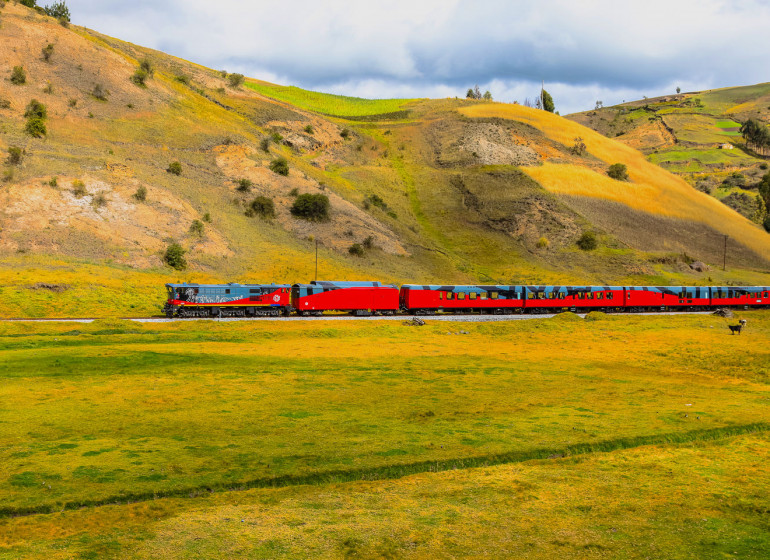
x=725, y=146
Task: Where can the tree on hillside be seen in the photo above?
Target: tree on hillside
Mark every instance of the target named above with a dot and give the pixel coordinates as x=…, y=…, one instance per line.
x=487, y=96
x=235, y=80
x=678, y=90
x=174, y=256
x=469, y=94
x=547, y=102
x=756, y=134
x=764, y=190
x=618, y=171
x=59, y=10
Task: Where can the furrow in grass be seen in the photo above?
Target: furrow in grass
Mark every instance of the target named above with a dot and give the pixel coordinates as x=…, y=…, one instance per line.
x=389, y=472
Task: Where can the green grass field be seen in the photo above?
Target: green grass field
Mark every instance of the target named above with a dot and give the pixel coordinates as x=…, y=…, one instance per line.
x=127, y=440
x=330, y=104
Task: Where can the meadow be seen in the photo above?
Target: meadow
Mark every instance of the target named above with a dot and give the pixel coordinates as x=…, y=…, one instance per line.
x=331, y=104
x=559, y=436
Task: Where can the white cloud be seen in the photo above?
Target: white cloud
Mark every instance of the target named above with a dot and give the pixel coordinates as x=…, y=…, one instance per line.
x=583, y=50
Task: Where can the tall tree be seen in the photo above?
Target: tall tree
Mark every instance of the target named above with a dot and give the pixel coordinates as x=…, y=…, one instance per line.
x=548, y=102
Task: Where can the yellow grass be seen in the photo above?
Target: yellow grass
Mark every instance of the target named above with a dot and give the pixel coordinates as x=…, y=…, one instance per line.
x=652, y=189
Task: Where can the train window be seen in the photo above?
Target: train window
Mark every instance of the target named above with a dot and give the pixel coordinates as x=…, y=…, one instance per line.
x=450, y=295
x=227, y=291
x=472, y=295
x=579, y=295
x=552, y=295
x=493, y=295
x=254, y=291
x=531, y=295
x=561, y=295
x=540, y=295
x=609, y=295
x=483, y=295
x=589, y=295
x=440, y=295
x=599, y=295
x=461, y=295
x=766, y=294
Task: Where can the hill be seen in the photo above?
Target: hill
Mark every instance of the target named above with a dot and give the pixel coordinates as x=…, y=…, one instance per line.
x=696, y=136
x=440, y=190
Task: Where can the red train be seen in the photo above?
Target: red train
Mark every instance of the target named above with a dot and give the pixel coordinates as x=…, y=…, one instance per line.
x=370, y=298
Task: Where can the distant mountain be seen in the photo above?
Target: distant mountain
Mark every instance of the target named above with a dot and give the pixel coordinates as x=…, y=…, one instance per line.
x=448, y=190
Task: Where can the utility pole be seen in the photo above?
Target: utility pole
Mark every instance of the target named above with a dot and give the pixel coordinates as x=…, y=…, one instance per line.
x=316, y=260
x=724, y=260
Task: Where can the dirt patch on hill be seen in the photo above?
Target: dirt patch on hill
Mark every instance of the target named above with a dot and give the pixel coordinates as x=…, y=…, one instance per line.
x=104, y=221
x=348, y=223
x=648, y=136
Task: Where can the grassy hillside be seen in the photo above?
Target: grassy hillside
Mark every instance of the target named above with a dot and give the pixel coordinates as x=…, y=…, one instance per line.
x=441, y=193
x=685, y=134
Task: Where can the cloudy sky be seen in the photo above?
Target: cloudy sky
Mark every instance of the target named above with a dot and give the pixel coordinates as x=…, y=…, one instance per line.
x=584, y=50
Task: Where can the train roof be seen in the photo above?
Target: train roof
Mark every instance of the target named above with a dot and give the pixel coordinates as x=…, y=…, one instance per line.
x=230, y=285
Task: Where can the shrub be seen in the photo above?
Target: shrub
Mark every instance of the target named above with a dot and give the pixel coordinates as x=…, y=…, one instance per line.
x=48, y=88
x=766, y=223
x=579, y=147
x=99, y=92
x=375, y=200
x=206, y=217
x=276, y=137
x=543, y=243
x=35, y=109
x=196, y=228
x=5, y=104
x=262, y=207
x=294, y=192
x=8, y=175
x=175, y=168
x=15, y=155
x=182, y=79
x=47, y=52
x=244, y=185
x=280, y=166
x=312, y=207
x=99, y=200
x=618, y=171
x=18, y=76
x=235, y=80
x=309, y=129
x=356, y=250
x=368, y=243
x=28, y=3
x=79, y=188
x=763, y=165
x=36, y=127
x=147, y=66
x=345, y=133
x=140, y=77
x=174, y=257
x=141, y=193
x=265, y=145
x=72, y=102
x=58, y=10
x=54, y=182
x=587, y=241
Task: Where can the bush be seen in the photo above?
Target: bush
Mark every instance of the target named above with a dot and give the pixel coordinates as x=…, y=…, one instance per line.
x=265, y=145
x=174, y=257
x=579, y=147
x=8, y=175
x=244, y=185
x=5, y=104
x=18, y=76
x=140, y=194
x=587, y=241
x=276, y=137
x=309, y=129
x=182, y=79
x=345, y=133
x=47, y=52
x=280, y=166
x=543, y=243
x=294, y=192
x=206, y=217
x=312, y=207
x=72, y=102
x=262, y=207
x=763, y=166
x=28, y=3
x=356, y=250
x=58, y=10
x=196, y=228
x=618, y=171
x=48, y=88
x=15, y=155
x=99, y=92
x=140, y=77
x=35, y=109
x=54, y=182
x=175, y=168
x=368, y=243
x=235, y=80
x=79, y=188
x=766, y=223
x=99, y=200
x=36, y=127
